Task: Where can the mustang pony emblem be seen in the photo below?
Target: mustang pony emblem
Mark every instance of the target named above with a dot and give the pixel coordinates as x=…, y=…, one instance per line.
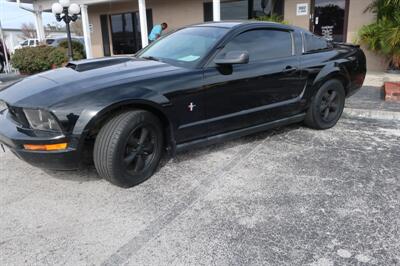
x=191, y=106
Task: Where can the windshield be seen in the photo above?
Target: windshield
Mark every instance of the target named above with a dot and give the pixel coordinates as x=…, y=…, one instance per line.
x=185, y=47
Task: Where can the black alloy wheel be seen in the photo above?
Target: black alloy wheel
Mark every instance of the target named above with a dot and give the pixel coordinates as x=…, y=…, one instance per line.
x=139, y=149
x=329, y=105
x=128, y=148
x=326, y=106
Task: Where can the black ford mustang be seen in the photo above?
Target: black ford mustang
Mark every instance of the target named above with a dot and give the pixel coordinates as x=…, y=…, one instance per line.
x=198, y=85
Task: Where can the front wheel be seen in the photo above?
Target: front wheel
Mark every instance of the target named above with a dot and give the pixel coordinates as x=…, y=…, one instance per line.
x=128, y=148
x=327, y=105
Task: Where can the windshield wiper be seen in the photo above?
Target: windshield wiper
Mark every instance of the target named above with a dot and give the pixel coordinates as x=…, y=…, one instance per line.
x=150, y=58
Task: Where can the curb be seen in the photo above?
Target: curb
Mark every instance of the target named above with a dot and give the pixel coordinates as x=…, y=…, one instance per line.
x=372, y=114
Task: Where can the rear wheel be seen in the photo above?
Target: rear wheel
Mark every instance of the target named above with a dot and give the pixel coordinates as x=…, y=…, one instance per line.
x=327, y=105
x=128, y=148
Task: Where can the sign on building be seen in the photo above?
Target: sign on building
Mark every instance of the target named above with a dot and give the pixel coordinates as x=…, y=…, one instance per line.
x=327, y=32
x=302, y=9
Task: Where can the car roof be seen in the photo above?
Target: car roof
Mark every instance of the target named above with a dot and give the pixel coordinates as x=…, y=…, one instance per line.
x=220, y=24
x=238, y=23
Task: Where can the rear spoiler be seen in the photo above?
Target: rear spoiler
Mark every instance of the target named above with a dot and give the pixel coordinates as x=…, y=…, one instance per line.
x=346, y=44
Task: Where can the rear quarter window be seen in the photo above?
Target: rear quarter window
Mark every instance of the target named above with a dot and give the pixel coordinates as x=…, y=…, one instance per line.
x=314, y=43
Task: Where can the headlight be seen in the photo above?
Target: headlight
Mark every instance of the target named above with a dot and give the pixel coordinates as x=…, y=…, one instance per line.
x=41, y=120
x=3, y=106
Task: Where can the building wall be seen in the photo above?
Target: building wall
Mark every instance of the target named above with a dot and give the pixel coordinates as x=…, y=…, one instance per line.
x=290, y=13
x=357, y=18
x=176, y=14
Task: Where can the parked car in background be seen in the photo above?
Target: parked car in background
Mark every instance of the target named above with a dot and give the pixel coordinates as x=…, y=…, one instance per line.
x=3, y=56
x=55, y=42
x=27, y=43
x=198, y=85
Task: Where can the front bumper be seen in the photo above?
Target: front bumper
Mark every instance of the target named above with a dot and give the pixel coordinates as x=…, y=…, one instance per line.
x=14, y=137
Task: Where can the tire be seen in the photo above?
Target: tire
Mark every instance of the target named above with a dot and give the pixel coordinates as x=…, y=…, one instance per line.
x=326, y=106
x=128, y=148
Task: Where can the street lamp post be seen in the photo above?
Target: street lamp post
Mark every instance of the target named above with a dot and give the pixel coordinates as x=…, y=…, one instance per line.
x=66, y=12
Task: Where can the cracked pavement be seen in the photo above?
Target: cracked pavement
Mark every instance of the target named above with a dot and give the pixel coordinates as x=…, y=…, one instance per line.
x=291, y=196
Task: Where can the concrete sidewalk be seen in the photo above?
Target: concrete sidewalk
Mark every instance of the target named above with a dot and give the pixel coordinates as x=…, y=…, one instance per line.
x=369, y=102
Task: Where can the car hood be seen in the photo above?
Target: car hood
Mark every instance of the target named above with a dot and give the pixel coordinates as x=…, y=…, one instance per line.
x=56, y=86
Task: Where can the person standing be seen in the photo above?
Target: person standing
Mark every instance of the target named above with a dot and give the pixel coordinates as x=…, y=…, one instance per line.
x=157, y=31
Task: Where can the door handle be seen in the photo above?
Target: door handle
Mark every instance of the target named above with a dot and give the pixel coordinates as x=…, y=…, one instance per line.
x=289, y=69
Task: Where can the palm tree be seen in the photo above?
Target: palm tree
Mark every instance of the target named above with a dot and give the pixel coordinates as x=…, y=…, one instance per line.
x=383, y=36
x=384, y=8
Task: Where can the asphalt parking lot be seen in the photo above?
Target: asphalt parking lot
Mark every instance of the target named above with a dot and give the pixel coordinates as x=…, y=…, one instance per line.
x=288, y=196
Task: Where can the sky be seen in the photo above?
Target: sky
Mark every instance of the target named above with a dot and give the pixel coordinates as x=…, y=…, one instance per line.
x=12, y=17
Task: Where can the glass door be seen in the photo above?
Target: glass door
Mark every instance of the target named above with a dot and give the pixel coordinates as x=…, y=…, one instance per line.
x=124, y=32
x=330, y=19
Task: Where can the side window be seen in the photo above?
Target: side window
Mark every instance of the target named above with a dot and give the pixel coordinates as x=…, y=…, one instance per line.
x=31, y=42
x=314, y=43
x=261, y=44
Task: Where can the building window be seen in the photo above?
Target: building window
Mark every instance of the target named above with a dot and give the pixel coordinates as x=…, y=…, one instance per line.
x=235, y=9
x=261, y=8
x=122, y=34
x=330, y=19
x=245, y=9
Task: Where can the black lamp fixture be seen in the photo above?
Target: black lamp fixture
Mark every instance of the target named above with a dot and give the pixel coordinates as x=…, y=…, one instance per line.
x=64, y=10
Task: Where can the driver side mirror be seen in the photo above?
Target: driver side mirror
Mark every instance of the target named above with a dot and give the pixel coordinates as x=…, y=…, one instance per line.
x=233, y=57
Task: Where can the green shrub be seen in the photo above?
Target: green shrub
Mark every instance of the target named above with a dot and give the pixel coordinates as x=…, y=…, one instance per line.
x=31, y=60
x=58, y=57
x=77, y=48
x=383, y=36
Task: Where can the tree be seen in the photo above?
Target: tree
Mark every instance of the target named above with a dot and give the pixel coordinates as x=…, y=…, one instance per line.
x=384, y=8
x=28, y=30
